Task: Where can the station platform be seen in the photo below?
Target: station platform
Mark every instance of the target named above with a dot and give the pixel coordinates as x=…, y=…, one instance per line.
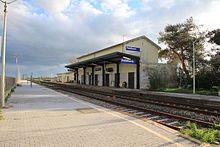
x=43, y=117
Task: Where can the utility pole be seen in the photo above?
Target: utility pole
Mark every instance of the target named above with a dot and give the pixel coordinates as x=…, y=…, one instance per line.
x=31, y=78
x=27, y=79
x=3, y=47
x=194, y=68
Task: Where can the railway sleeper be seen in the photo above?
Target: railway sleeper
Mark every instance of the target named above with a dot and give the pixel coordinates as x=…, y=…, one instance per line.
x=162, y=120
x=173, y=123
x=146, y=115
x=154, y=117
x=138, y=113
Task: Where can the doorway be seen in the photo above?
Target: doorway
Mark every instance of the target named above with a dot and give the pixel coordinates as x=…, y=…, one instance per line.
x=131, y=80
x=106, y=79
x=96, y=80
x=117, y=79
x=90, y=79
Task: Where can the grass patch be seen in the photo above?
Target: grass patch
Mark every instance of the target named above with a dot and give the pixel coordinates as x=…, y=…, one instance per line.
x=9, y=94
x=208, y=135
x=213, y=91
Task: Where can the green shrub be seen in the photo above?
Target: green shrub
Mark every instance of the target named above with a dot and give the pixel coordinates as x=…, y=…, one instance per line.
x=208, y=135
x=204, y=79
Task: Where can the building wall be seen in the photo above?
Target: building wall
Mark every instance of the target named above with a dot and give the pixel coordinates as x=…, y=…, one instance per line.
x=123, y=70
x=158, y=76
x=149, y=53
x=59, y=78
x=65, y=77
x=152, y=75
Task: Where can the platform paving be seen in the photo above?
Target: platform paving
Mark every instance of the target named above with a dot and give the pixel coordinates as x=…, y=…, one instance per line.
x=42, y=117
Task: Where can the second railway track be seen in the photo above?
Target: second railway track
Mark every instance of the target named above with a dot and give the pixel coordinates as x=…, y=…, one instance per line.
x=129, y=105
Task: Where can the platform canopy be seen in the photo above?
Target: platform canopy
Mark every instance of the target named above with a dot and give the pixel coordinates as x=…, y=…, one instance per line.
x=114, y=57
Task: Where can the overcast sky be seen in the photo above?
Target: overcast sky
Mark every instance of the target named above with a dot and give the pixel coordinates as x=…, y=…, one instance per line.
x=47, y=33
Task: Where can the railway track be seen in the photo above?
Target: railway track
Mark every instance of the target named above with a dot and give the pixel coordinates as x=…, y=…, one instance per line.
x=128, y=105
x=193, y=108
x=197, y=109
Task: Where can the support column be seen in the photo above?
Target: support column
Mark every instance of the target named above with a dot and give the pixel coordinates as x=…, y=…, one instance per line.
x=93, y=75
x=84, y=75
x=117, y=80
x=138, y=74
x=74, y=76
x=103, y=75
x=77, y=76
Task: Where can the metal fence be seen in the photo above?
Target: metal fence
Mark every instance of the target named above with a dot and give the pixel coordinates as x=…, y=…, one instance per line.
x=10, y=82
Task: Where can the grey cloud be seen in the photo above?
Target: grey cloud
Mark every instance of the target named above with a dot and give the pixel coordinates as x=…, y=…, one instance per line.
x=47, y=41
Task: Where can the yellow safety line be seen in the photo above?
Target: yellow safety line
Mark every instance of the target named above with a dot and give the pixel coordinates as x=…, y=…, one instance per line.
x=137, y=124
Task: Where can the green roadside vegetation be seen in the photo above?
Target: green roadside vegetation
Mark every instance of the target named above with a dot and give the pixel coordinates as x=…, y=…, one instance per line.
x=213, y=91
x=49, y=79
x=9, y=94
x=6, y=99
x=181, y=40
x=208, y=135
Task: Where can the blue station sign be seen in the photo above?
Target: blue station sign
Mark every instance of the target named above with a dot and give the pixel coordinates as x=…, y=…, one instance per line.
x=127, y=61
x=130, y=48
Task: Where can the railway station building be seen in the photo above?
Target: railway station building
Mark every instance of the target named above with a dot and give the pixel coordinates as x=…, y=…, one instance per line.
x=122, y=65
x=65, y=77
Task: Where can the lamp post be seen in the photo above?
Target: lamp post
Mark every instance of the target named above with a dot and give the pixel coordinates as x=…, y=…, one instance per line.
x=2, y=90
x=194, y=68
